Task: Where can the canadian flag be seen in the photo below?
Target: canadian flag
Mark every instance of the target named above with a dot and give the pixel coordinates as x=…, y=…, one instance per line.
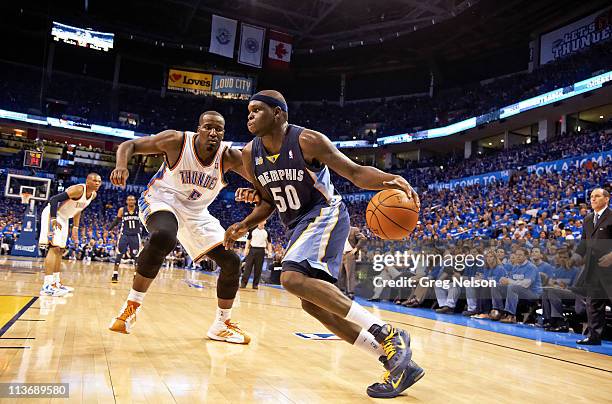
x=279, y=49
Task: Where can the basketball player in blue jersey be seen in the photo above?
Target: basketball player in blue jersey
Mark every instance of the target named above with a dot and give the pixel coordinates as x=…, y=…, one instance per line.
x=290, y=169
x=174, y=207
x=129, y=235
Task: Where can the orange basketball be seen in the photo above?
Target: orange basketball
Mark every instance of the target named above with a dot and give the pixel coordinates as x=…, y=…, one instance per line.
x=391, y=215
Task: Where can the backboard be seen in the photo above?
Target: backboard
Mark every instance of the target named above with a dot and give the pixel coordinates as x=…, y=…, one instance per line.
x=40, y=188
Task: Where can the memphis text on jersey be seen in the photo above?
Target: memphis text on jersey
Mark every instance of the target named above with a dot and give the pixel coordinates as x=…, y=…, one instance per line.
x=198, y=178
x=287, y=174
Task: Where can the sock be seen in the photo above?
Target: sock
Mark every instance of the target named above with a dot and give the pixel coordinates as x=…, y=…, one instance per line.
x=366, y=342
x=56, y=277
x=136, y=296
x=362, y=317
x=223, y=315
x=115, y=272
x=48, y=280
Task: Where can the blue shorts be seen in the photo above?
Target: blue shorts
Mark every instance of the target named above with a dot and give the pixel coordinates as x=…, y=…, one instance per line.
x=317, y=242
x=129, y=242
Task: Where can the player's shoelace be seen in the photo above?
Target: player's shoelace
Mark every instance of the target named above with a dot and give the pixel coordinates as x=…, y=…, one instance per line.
x=129, y=311
x=234, y=327
x=386, y=377
x=388, y=345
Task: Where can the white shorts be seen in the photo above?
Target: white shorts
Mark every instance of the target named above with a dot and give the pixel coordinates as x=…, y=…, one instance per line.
x=48, y=236
x=198, y=232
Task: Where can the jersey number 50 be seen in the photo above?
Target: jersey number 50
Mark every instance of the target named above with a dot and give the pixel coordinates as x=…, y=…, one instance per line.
x=291, y=197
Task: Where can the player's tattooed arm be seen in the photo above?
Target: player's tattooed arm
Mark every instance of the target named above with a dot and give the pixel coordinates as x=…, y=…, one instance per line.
x=260, y=212
x=168, y=142
x=232, y=160
x=317, y=148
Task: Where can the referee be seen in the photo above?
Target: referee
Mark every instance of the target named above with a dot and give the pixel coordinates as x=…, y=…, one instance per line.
x=258, y=241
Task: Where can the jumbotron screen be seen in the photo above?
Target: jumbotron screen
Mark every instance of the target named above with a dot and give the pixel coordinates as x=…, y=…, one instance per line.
x=83, y=37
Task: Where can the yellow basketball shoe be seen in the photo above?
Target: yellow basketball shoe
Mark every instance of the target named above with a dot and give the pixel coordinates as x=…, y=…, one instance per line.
x=126, y=319
x=228, y=332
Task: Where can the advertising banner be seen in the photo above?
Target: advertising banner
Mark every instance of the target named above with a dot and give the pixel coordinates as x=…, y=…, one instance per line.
x=187, y=81
x=481, y=179
x=574, y=37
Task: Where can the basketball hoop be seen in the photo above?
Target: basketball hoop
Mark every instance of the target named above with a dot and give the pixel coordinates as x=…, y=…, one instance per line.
x=25, y=197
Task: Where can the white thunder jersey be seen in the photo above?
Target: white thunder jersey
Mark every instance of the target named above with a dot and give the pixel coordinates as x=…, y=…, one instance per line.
x=66, y=211
x=69, y=208
x=190, y=184
x=187, y=189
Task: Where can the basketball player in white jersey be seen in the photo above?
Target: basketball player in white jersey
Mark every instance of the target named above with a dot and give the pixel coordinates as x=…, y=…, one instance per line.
x=175, y=207
x=54, y=229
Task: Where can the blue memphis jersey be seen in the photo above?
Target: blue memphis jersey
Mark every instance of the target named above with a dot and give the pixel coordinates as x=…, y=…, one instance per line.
x=295, y=186
x=130, y=222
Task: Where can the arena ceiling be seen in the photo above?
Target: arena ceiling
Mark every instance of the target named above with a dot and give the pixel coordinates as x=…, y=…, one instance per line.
x=337, y=35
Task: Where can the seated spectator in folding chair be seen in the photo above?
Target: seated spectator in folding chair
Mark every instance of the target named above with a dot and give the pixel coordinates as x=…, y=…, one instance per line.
x=493, y=270
x=523, y=282
x=557, y=290
x=387, y=273
x=471, y=293
x=538, y=260
x=421, y=290
x=448, y=297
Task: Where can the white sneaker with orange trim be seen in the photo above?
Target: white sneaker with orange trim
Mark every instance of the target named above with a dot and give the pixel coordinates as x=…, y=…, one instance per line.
x=228, y=332
x=124, y=322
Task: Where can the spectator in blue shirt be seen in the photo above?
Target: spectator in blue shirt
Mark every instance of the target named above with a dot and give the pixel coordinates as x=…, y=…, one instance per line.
x=522, y=283
x=492, y=271
x=557, y=291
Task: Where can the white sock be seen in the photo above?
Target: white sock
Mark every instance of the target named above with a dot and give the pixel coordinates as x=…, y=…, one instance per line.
x=136, y=296
x=48, y=280
x=223, y=315
x=362, y=317
x=366, y=342
x=115, y=272
x=56, y=277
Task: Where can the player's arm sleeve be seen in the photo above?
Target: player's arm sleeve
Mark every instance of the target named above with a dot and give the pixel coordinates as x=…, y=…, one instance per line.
x=117, y=219
x=54, y=201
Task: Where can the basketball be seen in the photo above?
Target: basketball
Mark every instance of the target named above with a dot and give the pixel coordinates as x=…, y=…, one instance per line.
x=391, y=215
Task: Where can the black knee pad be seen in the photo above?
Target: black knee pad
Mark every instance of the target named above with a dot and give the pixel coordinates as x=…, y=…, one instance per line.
x=160, y=244
x=229, y=277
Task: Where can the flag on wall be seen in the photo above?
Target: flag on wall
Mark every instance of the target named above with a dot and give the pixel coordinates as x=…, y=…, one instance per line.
x=251, y=45
x=223, y=36
x=279, y=49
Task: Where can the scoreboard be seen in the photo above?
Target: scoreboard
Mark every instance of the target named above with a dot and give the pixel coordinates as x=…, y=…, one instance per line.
x=33, y=158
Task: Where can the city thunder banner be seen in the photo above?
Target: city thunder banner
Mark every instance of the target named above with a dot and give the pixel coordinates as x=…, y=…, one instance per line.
x=482, y=179
x=223, y=36
x=232, y=85
x=251, y=45
x=574, y=37
x=602, y=159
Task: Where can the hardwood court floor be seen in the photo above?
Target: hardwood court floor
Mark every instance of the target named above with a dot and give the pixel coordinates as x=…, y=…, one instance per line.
x=167, y=358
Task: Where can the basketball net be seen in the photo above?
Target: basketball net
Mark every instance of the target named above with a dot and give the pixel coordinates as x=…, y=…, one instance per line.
x=26, y=199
